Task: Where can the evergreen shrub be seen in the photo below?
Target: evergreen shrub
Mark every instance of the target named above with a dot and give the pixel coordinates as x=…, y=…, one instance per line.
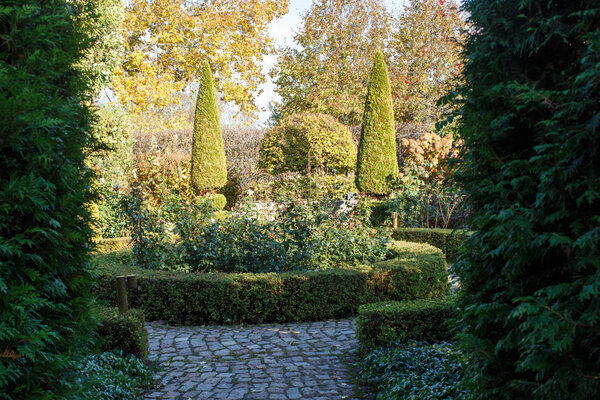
x=377, y=163
x=126, y=333
x=379, y=324
x=418, y=271
x=530, y=273
x=209, y=165
x=45, y=232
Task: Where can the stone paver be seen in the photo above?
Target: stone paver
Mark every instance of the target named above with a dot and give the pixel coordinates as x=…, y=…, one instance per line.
x=310, y=360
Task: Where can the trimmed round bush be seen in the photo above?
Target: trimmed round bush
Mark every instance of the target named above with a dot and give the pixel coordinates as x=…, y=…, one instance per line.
x=286, y=147
x=122, y=332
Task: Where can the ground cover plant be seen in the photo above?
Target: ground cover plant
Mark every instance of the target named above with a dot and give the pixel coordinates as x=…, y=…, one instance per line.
x=417, y=371
x=530, y=272
x=112, y=376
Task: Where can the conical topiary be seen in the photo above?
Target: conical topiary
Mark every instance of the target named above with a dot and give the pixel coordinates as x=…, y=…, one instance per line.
x=377, y=160
x=209, y=165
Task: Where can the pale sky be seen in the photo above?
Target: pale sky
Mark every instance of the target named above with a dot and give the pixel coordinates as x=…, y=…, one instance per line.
x=282, y=30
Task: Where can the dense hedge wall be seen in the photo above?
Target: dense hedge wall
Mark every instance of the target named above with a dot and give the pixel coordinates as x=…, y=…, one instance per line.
x=447, y=240
x=417, y=271
x=122, y=332
x=379, y=324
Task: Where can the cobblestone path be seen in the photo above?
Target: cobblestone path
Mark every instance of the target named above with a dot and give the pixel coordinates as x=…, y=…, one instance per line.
x=312, y=360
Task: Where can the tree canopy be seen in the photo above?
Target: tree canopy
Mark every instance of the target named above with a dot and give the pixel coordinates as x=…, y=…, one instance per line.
x=166, y=42
x=328, y=69
x=425, y=58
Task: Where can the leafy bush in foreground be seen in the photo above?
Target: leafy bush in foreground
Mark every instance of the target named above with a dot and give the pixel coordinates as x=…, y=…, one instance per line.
x=530, y=273
x=416, y=371
x=113, y=376
x=45, y=196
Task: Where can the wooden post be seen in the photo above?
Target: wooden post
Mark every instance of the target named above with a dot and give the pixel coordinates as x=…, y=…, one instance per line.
x=131, y=281
x=395, y=219
x=122, y=294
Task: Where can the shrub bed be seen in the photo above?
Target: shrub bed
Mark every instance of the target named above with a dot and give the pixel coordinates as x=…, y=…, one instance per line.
x=417, y=271
x=122, y=332
x=447, y=240
x=379, y=324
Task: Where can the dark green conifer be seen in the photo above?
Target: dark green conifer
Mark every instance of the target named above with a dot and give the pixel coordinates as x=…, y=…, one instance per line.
x=530, y=273
x=377, y=159
x=45, y=234
x=209, y=165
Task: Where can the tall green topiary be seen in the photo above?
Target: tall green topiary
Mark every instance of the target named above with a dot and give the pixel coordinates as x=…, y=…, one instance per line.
x=377, y=160
x=44, y=188
x=531, y=171
x=209, y=166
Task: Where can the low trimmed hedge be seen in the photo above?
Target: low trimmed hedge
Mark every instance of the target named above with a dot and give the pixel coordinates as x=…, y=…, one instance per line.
x=122, y=332
x=447, y=240
x=379, y=324
x=112, y=244
x=417, y=271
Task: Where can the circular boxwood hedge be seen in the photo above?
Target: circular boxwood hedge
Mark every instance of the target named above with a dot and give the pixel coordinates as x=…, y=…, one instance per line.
x=417, y=271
